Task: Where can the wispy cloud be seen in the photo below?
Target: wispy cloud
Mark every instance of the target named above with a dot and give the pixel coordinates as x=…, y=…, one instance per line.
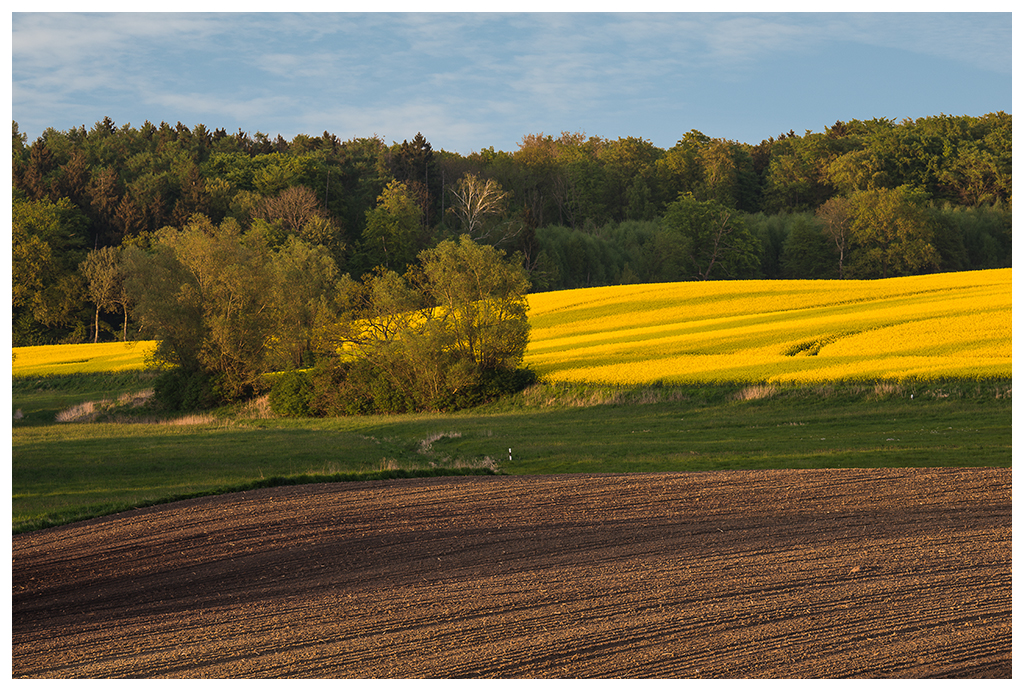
x=469, y=75
x=46, y=40
x=982, y=40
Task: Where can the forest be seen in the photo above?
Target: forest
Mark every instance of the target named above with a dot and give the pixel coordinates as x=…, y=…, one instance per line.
x=860, y=199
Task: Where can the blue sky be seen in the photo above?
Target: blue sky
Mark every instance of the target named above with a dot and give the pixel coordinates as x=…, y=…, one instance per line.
x=469, y=81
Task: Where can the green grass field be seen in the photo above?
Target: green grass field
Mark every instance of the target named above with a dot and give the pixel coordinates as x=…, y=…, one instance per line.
x=66, y=472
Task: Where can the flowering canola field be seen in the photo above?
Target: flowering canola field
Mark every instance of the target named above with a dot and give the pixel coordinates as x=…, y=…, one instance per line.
x=956, y=325
x=34, y=361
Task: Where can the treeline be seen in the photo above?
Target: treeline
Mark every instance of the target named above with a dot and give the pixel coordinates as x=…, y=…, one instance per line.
x=861, y=199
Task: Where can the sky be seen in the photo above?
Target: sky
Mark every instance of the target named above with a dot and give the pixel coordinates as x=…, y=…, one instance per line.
x=470, y=81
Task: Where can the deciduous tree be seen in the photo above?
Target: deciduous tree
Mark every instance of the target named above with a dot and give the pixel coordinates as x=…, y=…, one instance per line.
x=104, y=273
x=836, y=216
x=48, y=241
x=438, y=335
x=718, y=243
x=476, y=202
x=892, y=232
x=392, y=228
x=480, y=300
x=305, y=290
x=205, y=294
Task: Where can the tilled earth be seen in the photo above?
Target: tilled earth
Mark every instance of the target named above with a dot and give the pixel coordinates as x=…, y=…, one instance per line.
x=790, y=573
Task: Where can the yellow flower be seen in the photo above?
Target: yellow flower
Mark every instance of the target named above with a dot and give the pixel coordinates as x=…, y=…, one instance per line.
x=81, y=357
x=929, y=327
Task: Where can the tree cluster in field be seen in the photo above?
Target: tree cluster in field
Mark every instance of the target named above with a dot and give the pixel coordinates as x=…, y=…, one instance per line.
x=228, y=306
x=94, y=208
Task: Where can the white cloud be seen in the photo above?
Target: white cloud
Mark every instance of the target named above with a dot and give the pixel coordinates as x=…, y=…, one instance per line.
x=973, y=39
x=208, y=106
x=46, y=40
x=321, y=65
x=400, y=122
x=468, y=76
x=743, y=39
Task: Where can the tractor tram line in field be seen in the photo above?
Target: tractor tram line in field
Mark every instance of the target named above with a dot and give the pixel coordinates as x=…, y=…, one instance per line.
x=809, y=332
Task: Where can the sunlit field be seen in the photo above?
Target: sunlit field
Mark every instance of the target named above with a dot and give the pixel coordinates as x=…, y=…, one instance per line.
x=941, y=326
x=35, y=361
x=604, y=351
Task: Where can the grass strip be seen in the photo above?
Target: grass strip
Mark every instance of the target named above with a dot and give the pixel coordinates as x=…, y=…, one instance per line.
x=64, y=517
x=70, y=471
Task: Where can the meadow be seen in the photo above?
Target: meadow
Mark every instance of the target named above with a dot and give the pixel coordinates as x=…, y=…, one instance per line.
x=682, y=377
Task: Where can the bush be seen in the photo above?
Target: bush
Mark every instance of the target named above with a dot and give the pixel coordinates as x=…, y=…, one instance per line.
x=354, y=388
x=181, y=390
x=360, y=388
x=491, y=385
x=292, y=394
x=328, y=378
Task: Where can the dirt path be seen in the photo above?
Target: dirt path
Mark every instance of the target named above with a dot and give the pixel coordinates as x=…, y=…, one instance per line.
x=816, y=573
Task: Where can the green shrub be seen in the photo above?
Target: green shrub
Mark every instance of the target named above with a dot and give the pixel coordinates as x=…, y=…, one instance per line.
x=360, y=388
x=292, y=394
x=490, y=386
x=345, y=388
x=179, y=389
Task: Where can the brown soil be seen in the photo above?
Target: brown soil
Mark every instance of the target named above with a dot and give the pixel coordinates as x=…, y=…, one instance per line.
x=795, y=573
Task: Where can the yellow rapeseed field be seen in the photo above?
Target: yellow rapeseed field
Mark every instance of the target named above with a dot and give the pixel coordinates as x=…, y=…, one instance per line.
x=33, y=361
x=956, y=325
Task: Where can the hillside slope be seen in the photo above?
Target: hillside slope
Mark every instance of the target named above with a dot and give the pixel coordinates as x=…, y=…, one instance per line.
x=956, y=325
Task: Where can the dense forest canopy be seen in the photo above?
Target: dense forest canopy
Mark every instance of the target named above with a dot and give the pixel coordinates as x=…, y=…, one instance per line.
x=861, y=199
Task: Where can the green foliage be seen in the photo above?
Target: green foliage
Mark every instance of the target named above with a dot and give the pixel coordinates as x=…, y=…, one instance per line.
x=304, y=294
x=560, y=201
x=985, y=232
x=435, y=339
x=491, y=385
x=715, y=240
x=391, y=237
x=772, y=232
x=479, y=302
x=48, y=243
x=358, y=387
x=711, y=169
x=292, y=394
x=579, y=259
x=178, y=389
x=220, y=302
x=892, y=234
x=808, y=252
x=103, y=268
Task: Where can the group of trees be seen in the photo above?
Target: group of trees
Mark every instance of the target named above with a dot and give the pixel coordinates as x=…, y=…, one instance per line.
x=869, y=234
x=271, y=231
x=228, y=306
x=449, y=333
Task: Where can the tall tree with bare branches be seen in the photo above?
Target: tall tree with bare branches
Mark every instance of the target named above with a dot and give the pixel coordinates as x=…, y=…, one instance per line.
x=477, y=201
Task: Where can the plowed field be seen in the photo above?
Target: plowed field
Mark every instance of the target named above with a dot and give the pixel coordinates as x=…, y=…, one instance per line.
x=794, y=573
